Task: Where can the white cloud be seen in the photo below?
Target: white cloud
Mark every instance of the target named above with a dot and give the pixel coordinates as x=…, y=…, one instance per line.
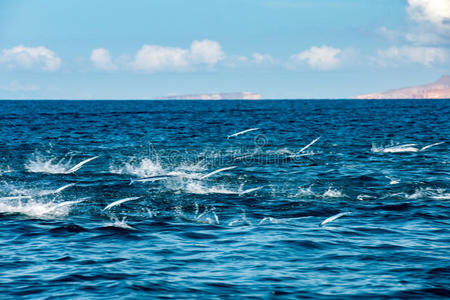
x=436, y=12
x=30, y=57
x=153, y=58
x=421, y=55
x=158, y=58
x=206, y=51
x=430, y=24
x=101, y=59
x=319, y=58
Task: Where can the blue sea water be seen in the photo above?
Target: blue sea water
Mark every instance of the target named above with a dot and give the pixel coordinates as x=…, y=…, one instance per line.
x=252, y=230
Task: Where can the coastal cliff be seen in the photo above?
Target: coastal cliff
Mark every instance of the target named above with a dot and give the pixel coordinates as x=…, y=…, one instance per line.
x=439, y=89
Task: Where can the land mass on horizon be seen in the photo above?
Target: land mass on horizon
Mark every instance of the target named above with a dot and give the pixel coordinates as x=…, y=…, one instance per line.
x=215, y=96
x=439, y=89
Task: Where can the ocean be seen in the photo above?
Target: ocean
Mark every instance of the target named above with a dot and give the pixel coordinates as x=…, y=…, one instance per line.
x=319, y=199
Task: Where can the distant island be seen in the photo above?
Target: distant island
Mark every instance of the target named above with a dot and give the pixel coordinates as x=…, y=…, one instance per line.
x=215, y=96
x=439, y=89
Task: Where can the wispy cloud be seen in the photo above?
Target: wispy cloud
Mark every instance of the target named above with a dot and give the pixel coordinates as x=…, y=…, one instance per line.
x=30, y=57
x=262, y=58
x=426, y=56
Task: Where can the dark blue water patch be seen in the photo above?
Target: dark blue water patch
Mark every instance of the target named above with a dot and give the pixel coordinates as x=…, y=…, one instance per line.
x=248, y=232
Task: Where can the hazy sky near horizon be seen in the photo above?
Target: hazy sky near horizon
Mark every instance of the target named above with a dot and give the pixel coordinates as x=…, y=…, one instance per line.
x=141, y=49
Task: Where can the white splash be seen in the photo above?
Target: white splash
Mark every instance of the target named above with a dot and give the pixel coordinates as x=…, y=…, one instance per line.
x=333, y=193
x=393, y=180
x=40, y=164
x=143, y=168
x=302, y=191
x=38, y=209
x=151, y=170
x=121, y=223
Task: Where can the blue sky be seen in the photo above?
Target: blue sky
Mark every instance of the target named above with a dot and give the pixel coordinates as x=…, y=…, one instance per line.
x=281, y=49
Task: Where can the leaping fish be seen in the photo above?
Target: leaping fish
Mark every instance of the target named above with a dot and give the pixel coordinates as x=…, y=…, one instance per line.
x=217, y=171
x=118, y=202
x=45, y=193
x=63, y=188
x=242, y=132
x=79, y=165
x=309, y=145
x=250, y=190
x=429, y=146
x=151, y=178
x=332, y=218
